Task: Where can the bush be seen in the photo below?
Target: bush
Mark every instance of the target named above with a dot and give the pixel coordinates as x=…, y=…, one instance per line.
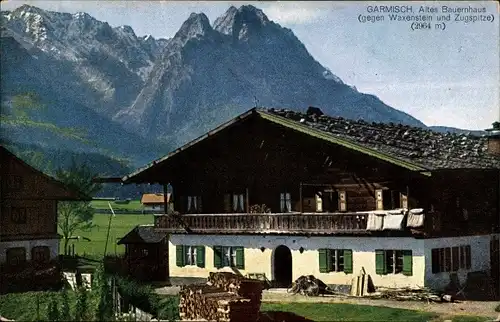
x=168, y=308
x=143, y=297
x=65, y=306
x=497, y=309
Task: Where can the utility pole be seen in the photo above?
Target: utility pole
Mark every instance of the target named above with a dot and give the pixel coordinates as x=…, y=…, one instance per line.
x=109, y=227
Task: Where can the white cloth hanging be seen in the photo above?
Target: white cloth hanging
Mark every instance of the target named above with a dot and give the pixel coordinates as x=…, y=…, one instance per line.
x=415, y=218
x=393, y=222
x=375, y=221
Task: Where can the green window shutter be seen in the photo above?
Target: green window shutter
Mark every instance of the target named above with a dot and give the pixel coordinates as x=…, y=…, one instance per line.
x=200, y=256
x=217, y=256
x=407, y=263
x=380, y=267
x=179, y=255
x=323, y=260
x=240, y=258
x=347, y=261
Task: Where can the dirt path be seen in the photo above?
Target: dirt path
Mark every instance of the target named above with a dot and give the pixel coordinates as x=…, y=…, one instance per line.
x=486, y=309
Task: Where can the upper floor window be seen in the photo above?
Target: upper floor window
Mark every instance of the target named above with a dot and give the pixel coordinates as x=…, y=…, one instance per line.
x=16, y=256
x=285, y=202
x=18, y=215
x=386, y=199
x=403, y=199
x=342, y=201
x=238, y=202
x=193, y=204
x=14, y=183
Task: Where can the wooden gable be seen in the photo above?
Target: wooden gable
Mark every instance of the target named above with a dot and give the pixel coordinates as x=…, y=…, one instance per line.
x=20, y=181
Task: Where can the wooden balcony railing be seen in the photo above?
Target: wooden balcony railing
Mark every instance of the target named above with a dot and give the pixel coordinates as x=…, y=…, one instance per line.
x=284, y=223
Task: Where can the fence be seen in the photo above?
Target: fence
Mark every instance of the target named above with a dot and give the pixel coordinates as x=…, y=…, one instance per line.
x=125, y=211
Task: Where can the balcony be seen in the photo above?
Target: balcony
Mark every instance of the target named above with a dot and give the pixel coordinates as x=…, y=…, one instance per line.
x=274, y=223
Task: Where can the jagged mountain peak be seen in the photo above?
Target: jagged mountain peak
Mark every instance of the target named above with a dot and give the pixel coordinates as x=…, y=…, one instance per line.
x=197, y=25
x=239, y=22
x=127, y=30
x=28, y=8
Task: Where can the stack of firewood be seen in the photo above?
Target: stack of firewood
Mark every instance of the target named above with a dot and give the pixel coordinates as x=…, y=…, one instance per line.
x=410, y=294
x=226, y=297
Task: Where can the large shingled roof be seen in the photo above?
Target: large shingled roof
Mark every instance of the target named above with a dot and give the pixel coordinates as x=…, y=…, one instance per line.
x=417, y=149
x=430, y=149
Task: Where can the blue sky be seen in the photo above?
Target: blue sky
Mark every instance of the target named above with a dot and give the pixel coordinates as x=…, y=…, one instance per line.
x=443, y=77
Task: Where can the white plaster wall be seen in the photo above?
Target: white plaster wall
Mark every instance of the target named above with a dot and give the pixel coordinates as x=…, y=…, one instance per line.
x=480, y=258
x=153, y=207
x=53, y=245
x=306, y=263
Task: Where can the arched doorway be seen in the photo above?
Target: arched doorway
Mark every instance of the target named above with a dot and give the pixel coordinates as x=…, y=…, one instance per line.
x=282, y=272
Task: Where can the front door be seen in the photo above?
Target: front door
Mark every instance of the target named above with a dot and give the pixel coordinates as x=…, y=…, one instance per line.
x=282, y=266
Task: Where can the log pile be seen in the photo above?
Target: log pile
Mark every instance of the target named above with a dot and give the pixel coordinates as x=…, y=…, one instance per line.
x=410, y=294
x=225, y=297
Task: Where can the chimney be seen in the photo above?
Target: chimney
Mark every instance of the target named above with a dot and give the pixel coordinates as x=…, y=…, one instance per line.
x=494, y=139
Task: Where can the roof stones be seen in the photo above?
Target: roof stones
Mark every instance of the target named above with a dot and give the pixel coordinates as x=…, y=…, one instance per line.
x=430, y=149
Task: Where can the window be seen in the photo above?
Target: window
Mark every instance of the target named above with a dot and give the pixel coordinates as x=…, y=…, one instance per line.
x=234, y=202
x=193, y=204
x=18, y=215
x=403, y=200
x=14, y=183
x=16, y=256
x=390, y=261
x=40, y=254
x=335, y=260
x=229, y=256
x=342, y=201
x=379, y=199
x=391, y=199
x=285, y=202
x=319, y=201
x=238, y=202
x=451, y=259
x=190, y=255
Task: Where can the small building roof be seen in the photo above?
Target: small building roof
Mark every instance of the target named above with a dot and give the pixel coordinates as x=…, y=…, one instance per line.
x=154, y=198
x=142, y=234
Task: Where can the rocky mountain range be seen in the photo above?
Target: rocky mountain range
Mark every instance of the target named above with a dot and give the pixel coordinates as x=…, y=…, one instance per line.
x=138, y=97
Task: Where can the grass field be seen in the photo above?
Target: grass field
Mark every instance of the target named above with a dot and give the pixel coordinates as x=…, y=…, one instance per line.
x=353, y=312
x=23, y=306
x=120, y=226
x=103, y=204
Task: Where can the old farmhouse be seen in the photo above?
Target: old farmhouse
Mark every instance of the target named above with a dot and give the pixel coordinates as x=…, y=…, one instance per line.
x=289, y=194
x=28, y=215
x=155, y=201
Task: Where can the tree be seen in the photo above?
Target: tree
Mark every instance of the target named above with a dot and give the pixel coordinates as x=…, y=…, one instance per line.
x=76, y=215
x=105, y=305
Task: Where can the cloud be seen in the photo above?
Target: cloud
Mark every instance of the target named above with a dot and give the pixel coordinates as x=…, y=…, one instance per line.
x=295, y=13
